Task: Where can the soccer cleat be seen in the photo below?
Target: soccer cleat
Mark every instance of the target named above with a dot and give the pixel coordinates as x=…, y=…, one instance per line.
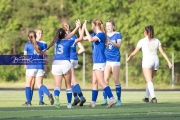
x=76, y=101
x=26, y=104
x=146, y=100
x=57, y=103
x=69, y=106
x=51, y=99
x=153, y=100
x=104, y=102
x=82, y=101
x=111, y=102
x=42, y=103
x=92, y=104
x=118, y=103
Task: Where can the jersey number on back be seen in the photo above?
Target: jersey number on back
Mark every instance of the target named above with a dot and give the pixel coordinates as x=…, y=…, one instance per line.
x=59, y=49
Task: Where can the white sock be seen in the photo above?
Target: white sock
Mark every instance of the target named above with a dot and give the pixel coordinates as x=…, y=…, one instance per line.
x=151, y=89
x=147, y=91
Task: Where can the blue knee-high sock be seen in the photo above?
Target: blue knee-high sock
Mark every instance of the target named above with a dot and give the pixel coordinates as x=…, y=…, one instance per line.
x=74, y=92
x=69, y=95
x=78, y=91
x=94, y=95
x=32, y=93
x=118, y=92
x=57, y=91
x=108, y=91
x=41, y=95
x=45, y=90
x=105, y=95
x=28, y=94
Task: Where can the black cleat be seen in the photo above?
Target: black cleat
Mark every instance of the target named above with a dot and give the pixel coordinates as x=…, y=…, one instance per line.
x=51, y=99
x=83, y=100
x=153, y=100
x=146, y=100
x=76, y=101
x=26, y=104
x=42, y=103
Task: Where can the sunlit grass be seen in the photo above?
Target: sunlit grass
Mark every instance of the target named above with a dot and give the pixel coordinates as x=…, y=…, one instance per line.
x=167, y=107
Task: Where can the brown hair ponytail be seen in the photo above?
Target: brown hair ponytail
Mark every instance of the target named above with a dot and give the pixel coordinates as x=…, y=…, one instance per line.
x=150, y=31
x=60, y=34
x=32, y=38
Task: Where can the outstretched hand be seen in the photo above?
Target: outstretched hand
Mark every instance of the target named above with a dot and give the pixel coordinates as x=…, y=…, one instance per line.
x=78, y=23
x=170, y=65
x=84, y=24
x=127, y=59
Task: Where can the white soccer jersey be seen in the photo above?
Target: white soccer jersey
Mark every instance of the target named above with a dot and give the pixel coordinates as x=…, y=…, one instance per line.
x=149, y=47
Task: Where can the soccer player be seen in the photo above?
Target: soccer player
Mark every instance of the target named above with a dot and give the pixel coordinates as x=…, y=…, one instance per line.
x=34, y=49
x=39, y=34
x=113, y=58
x=99, y=60
x=150, y=61
x=61, y=67
x=76, y=89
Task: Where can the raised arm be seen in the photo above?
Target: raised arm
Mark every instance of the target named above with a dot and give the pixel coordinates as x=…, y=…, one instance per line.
x=165, y=56
x=133, y=54
x=81, y=33
x=74, y=31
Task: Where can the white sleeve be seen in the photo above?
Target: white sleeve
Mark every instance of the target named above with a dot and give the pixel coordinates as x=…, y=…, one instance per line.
x=139, y=44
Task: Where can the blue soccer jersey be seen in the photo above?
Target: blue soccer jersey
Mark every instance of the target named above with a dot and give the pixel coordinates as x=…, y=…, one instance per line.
x=63, y=49
x=98, y=48
x=113, y=53
x=36, y=61
x=44, y=44
x=73, y=54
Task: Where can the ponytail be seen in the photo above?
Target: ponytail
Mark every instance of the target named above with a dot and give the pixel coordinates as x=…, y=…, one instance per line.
x=150, y=31
x=60, y=34
x=32, y=38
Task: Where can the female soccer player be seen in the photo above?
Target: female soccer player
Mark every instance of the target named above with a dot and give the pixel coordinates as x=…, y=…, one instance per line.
x=150, y=60
x=34, y=49
x=76, y=89
x=113, y=57
x=99, y=60
x=61, y=67
x=39, y=33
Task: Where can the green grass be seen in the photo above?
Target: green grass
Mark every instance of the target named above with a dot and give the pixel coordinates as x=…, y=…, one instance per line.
x=168, y=107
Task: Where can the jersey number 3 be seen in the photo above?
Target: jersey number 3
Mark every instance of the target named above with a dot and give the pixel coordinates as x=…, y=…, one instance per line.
x=59, y=49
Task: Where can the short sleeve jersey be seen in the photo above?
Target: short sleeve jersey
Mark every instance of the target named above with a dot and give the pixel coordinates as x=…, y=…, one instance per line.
x=98, y=48
x=62, y=49
x=149, y=47
x=29, y=48
x=113, y=53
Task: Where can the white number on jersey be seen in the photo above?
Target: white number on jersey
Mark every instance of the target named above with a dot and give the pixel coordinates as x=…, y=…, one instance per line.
x=110, y=46
x=60, y=49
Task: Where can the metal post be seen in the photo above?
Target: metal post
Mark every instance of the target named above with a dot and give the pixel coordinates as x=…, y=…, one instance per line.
x=83, y=77
x=126, y=71
x=172, y=70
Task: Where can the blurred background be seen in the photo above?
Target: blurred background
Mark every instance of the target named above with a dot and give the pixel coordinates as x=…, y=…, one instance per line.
x=17, y=17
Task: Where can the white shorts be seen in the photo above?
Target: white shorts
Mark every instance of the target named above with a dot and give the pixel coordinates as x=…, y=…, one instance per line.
x=35, y=72
x=61, y=67
x=99, y=66
x=112, y=64
x=74, y=63
x=150, y=63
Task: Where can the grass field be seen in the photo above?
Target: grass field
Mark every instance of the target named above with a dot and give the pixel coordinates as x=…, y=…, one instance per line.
x=168, y=107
